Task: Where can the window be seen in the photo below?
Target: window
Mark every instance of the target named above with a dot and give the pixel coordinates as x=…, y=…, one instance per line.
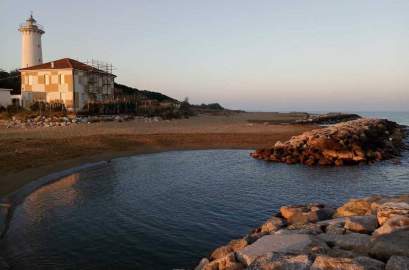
x=30, y=79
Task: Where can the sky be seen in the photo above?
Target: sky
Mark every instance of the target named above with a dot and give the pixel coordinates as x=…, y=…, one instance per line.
x=261, y=55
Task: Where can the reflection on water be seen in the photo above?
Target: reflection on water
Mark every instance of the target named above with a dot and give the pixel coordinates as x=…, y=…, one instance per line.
x=168, y=210
x=33, y=204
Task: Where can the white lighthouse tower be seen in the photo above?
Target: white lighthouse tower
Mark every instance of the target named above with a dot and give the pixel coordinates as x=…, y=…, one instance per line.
x=31, y=52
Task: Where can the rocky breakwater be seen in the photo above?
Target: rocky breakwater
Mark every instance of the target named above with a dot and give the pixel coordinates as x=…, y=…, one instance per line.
x=354, y=142
x=371, y=233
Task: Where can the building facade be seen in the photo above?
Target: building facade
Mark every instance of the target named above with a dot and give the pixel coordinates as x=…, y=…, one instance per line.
x=65, y=81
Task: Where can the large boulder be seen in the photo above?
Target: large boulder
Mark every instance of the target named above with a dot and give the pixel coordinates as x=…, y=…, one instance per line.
x=303, y=214
x=280, y=261
x=394, y=223
x=310, y=228
x=288, y=211
x=273, y=224
x=287, y=243
x=398, y=263
x=233, y=246
x=358, y=263
x=228, y=262
x=354, y=207
x=390, y=209
x=387, y=245
x=361, y=224
x=353, y=241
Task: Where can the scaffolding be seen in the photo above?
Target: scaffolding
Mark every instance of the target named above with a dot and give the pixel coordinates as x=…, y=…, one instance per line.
x=99, y=84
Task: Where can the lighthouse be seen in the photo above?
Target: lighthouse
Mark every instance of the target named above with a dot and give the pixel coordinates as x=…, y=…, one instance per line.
x=31, y=51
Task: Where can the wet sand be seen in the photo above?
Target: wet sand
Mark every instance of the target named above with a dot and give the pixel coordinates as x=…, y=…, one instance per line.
x=28, y=154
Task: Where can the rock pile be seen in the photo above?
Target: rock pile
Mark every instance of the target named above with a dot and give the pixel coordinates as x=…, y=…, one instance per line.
x=364, y=234
x=328, y=119
x=359, y=141
x=43, y=121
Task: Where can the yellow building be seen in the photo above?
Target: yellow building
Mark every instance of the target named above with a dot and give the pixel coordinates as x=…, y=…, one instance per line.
x=66, y=81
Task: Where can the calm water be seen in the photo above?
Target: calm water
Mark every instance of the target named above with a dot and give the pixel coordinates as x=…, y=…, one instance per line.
x=167, y=210
x=399, y=117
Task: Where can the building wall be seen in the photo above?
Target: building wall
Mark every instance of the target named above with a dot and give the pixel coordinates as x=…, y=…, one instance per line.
x=48, y=85
x=74, y=88
x=91, y=86
x=5, y=97
x=31, y=52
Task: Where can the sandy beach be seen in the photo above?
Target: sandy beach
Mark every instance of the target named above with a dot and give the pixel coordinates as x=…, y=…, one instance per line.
x=28, y=154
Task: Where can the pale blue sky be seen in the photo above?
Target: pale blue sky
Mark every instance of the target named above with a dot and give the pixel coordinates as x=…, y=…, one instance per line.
x=255, y=55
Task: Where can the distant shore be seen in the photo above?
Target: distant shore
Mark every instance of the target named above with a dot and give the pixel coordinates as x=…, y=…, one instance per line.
x=28, y=154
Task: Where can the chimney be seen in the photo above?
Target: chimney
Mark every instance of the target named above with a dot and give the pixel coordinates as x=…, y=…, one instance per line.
x=52, y=64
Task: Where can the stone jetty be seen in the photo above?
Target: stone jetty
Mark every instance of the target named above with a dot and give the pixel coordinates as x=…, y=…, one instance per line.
x=359, y=141
x=369, y=233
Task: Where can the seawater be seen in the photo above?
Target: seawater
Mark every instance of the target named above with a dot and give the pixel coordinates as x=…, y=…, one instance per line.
x=168, y=210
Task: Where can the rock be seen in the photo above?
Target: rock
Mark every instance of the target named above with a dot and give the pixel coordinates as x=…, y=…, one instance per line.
x=387, y=245
x=398, y=263
x=321, y=214
x=291, y=243
x=273, y=224
x=342, y=253
x=4, y=209
x=228, y=262
x=310, y=228
x=333, y=226
x=361, y=224
x=390, y=209
x=394, y=223
x=353, y=241
x=281, y=262
x=359, y=263
x=335, y=229
x=303, y=214
x=223, y=251
x=4, y=265
x=353, y=142
x=220, y=252
x=238, y=244
x=288, y=211
x=203, y=262
x=354, y=207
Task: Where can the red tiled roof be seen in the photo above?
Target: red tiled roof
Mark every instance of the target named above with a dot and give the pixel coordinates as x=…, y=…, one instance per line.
x=64, y=63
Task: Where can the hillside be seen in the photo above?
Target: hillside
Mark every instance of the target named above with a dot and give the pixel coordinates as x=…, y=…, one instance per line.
x=148, y=94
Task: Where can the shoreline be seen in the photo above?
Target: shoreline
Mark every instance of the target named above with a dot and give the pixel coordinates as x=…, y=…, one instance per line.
x=370, y=233
x=28, y=154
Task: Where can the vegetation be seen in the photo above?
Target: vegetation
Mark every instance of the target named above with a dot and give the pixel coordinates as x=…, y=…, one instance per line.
x=10, y=80
x=126, y=90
